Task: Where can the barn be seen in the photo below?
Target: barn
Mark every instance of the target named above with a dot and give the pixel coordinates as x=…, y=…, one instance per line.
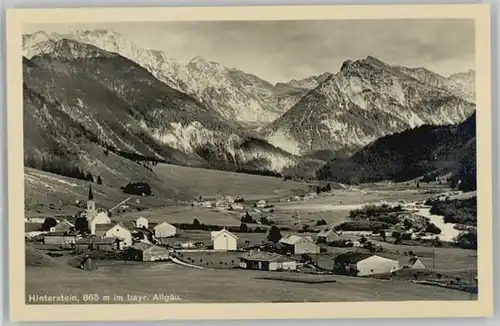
x=224, y=240
x=327, y=236
x=415, y=263
x=267, y=261
x=59, y=238
x=149, y=252
x=120, y=232
x=141, y=223
x=299, y=245
x=164, y=230
x=364, y=264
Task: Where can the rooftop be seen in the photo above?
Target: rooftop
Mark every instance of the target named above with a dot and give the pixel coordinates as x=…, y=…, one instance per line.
x=264, y=256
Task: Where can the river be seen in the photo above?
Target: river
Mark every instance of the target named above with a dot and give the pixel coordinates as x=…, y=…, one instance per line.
x=448, y=231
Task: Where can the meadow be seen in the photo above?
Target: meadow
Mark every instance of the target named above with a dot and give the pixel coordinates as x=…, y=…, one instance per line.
x=220, y=286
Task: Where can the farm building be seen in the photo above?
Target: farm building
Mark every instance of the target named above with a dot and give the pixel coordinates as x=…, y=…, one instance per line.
x=207, y=204
x=142, y=234
x=237, y=207
x=99, y=219
x=224, y=240
x=415, y=263
x=63, y=226
x=222, y=204
x=312, y=195
x=120, y=232
x=229, y=199
x=59, y=238
x=141, y=222
x=327, y=236
x=149, y=252
x=365, y=264
x=96, y=243
x=37, y=220
x=165, y=230
x=299, y=245
x=261, y=204
x=101, y=229
x=267, y=261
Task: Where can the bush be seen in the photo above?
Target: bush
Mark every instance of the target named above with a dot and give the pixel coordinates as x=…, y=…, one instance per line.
x=467, y=239
x=274, y=234
x=432, y=228
x=138, y=188
x=457, y=211
x=341, y=243
x=48, y=223
x=407, y=224
x=247, y=218
x=320, y=222
x=373, y=210
x=406, y=236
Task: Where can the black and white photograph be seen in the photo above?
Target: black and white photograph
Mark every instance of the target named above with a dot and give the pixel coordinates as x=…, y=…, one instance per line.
x=250, y=161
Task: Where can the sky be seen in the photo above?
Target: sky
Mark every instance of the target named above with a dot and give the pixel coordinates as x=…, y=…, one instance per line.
x=279, y=51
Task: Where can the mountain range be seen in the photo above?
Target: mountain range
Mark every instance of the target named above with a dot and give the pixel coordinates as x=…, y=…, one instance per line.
x=86, y=91
x=367, y=99
x=428, y=151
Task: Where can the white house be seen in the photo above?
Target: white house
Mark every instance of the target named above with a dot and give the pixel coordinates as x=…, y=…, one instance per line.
x=415, y=263
x=100, y=218
x=224, y=240
x=222, y=204
x=261, y=204
x=299, y=245
x=120, y=232
x=165, y=230
x=36, y=220
x=237, y=207
x=376, y=265
x=328, y=236
x=267, y=261
x=141, y=222
x=207, y=204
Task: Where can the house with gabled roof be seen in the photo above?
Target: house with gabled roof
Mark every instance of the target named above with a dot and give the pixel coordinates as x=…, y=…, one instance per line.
x=415, y=263
x=327, y=236
x=164, y=230
x=268, y=261
x=224, y=240
x=122, y=233
x=364, y=264
x=142, y=222
x=299, y=245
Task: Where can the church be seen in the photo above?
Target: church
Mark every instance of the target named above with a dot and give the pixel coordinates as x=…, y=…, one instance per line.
x=93, y=216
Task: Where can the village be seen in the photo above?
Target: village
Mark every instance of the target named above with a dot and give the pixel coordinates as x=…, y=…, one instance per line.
x=268, y=236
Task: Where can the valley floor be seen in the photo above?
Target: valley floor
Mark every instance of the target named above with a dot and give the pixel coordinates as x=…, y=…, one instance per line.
x=219, y=286
x=212, y=284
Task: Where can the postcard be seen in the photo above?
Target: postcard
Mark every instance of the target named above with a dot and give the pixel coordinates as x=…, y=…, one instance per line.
x=249, y=162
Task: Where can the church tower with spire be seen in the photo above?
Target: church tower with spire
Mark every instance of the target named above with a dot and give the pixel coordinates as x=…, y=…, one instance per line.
x=91, y=211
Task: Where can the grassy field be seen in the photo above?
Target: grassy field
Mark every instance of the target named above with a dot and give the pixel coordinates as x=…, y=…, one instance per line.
x=185, y=214
x=208, y=183
x=51, y=194
x=217, y=286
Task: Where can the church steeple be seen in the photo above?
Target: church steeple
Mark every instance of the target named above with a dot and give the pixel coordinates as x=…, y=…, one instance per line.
x=91, y=196
x=91, y=211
